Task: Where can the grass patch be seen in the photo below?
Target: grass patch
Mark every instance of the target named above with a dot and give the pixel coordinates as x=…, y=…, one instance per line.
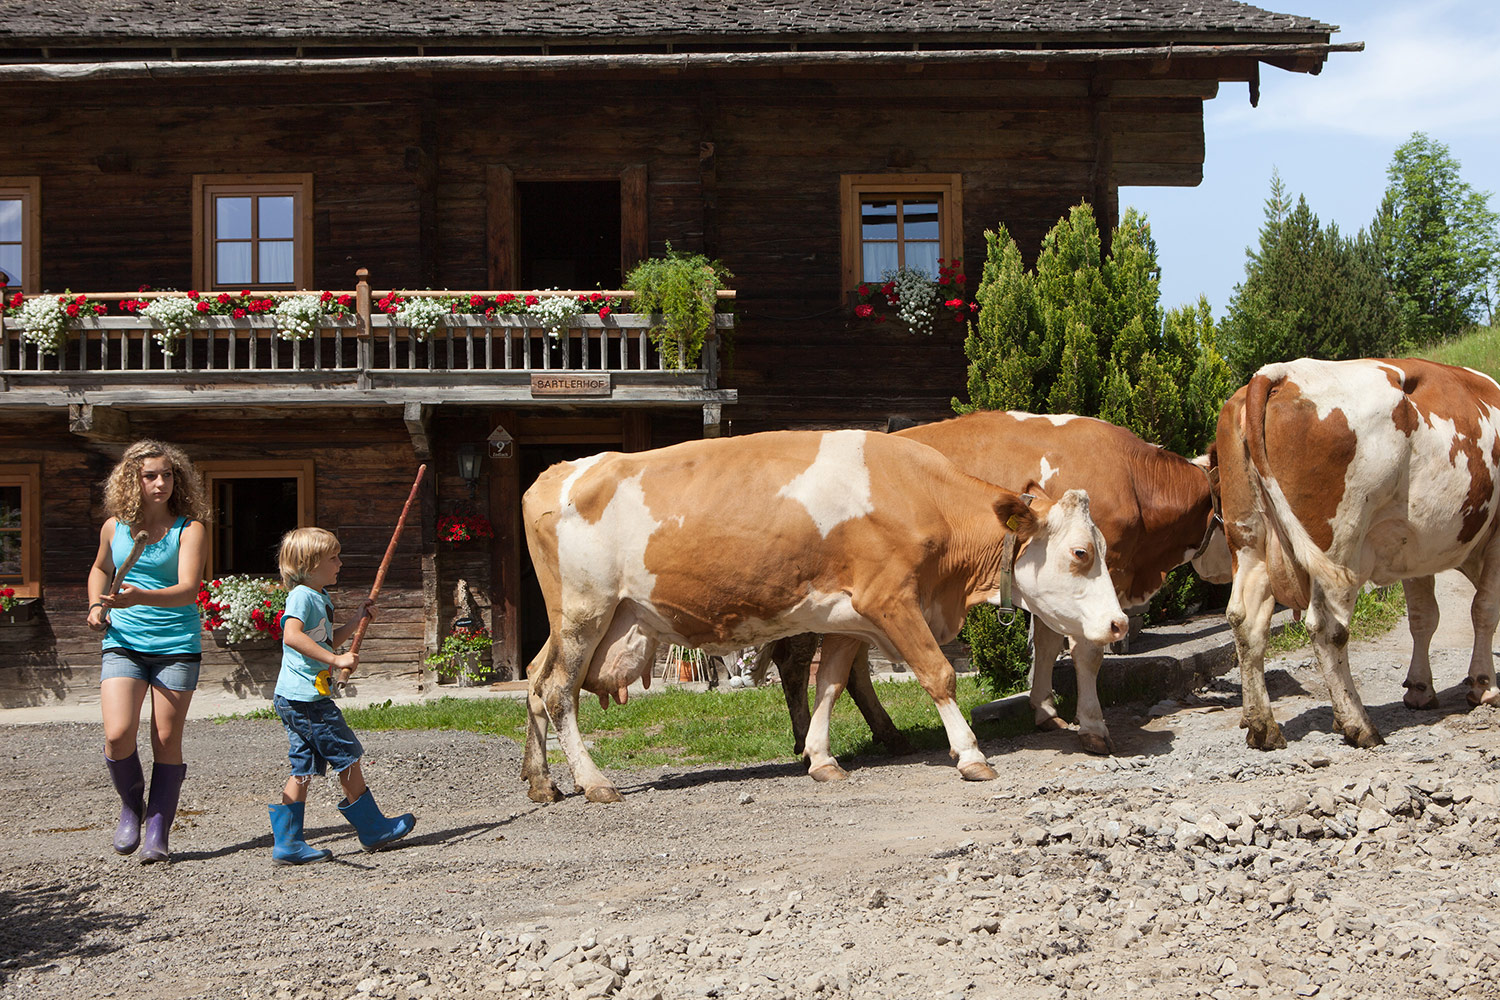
x=682, y=727
x=1376, y=612
x=1479, y=349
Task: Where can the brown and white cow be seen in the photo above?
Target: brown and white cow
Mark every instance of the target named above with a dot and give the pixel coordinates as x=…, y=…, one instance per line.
x=1154, y=508
x=723, y=543
x=1337, y=473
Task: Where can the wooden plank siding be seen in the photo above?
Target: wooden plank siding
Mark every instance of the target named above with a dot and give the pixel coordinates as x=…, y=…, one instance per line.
x=408, y=174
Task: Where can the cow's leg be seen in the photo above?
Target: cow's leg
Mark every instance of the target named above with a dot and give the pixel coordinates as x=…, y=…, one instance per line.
x=833, y=670
x=1484, y=613
x=913, y=642
x=559, y=690
x=862, y=690
x=1328, y=615
x=1046, y=647
x=793, y=656
x=534, y=763
x=1250, y=606
x=1422, y=620
x=1091, y=728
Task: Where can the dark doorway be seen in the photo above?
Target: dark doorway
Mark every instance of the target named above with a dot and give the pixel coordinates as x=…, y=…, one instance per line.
x=251, y=515
x=568, y=234
x=536, y=459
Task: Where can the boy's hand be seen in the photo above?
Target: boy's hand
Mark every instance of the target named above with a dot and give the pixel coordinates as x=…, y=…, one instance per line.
x=345, y=661
x=367, y=610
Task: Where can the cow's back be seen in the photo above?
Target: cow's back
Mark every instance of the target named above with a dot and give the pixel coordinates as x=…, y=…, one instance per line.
x=1137, y=491
x=1383, y=468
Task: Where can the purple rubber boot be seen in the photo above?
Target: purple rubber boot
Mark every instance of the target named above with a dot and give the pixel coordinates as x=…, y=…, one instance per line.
x=161, y=810
x=130, y=782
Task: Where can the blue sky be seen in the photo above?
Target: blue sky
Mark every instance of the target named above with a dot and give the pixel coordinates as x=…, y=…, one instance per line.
x=1432, y=66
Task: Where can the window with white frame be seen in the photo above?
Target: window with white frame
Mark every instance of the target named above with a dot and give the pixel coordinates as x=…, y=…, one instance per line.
x=253, y=231
x=20, y=225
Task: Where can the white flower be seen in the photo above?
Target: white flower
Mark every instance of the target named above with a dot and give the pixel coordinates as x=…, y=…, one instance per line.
x=916, y=298
x=46, y=322
x=556, y=313
x=237, y=597
x=298, y=317
x=172, y=315
x=422, y=316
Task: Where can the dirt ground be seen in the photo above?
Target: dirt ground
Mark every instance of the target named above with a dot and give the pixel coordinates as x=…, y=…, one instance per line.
x=1187, y=865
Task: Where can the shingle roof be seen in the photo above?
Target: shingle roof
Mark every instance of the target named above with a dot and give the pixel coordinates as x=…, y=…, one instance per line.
x=522, y=23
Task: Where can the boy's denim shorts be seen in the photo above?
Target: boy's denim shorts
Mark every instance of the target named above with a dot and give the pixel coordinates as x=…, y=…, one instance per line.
x=171, y=671
x=318, y=736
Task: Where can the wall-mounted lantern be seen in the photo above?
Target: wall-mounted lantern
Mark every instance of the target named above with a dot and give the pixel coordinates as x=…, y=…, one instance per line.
x=469, y=456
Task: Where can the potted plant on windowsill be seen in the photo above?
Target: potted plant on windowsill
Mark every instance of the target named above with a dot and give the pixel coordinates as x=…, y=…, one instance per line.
x=17, y=610
x=242, y=611
x=461, y=658
x=683, y=289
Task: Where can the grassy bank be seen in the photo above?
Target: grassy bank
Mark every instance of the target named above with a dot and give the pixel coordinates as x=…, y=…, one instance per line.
x=1479, y=349
x=1375, y=613
x=677, y=726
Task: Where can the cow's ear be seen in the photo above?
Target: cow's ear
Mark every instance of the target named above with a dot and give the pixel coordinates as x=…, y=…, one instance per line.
x=1034, y=489
x=1013, y=511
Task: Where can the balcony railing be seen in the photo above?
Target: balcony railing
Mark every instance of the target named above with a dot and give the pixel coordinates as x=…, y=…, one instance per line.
x=368, y=344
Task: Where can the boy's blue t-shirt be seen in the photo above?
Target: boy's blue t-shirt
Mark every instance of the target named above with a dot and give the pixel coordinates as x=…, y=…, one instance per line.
x=313, y=609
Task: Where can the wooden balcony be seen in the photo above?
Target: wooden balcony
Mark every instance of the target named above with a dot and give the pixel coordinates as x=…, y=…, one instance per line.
x=367, y=358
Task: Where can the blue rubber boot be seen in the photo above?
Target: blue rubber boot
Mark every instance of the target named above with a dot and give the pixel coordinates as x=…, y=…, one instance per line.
x=286, y=827
x=130, y=782
x=376, y=830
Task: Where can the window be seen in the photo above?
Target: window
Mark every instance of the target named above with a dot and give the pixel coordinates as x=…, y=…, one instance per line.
x=20, y=529
x=20, y=228
x=891, y=221
x=254, y=504
x=253, y=231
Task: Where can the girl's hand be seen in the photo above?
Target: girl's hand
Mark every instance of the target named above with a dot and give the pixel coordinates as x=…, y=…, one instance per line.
x=128, y=597
x=96, y=617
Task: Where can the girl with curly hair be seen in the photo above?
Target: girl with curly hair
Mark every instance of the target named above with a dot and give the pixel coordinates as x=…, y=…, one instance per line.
x=151, y=630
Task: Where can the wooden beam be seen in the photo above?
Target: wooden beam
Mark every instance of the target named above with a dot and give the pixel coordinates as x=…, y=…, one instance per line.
x=1103, y=194
x=505, y=554
x=99, y=423
x=417, y=416
x=635, y=238
x=500, y=224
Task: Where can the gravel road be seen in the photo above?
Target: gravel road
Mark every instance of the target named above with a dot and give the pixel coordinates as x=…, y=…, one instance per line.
x=1187, y=865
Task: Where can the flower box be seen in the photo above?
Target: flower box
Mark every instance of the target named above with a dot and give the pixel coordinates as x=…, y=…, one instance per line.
x=261, y=640
x=21, y=611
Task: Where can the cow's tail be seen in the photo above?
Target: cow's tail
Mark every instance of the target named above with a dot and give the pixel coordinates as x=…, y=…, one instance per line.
x=1286, y=529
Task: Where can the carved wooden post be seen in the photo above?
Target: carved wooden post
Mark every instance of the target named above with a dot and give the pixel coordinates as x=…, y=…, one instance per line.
x=364, y=344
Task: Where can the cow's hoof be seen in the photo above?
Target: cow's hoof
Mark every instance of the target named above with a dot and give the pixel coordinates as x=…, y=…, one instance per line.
x=544, y=793
x=603, y=793
x=1482, y=692
x=1101, y=746
x=828, y=772
x=1418, y=698
x=977, y=771
x=1363, y=737
x=1264, y=737
x=1049, y=723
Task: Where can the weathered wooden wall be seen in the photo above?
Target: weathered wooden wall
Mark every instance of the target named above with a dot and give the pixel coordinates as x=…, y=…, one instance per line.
x=361, y=461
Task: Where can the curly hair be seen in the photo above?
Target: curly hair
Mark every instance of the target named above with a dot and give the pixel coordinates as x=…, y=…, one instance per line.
x=301, y=551
x=122, y=490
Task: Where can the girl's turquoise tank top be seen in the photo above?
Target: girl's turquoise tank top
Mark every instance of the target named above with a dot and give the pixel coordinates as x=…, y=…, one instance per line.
x=147, y=629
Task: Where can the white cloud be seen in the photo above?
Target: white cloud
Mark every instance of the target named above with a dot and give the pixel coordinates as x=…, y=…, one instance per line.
x=1429, y=67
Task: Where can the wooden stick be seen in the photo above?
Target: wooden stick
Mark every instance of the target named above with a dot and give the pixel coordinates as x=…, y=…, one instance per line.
x=138, y=545
x=385, y=563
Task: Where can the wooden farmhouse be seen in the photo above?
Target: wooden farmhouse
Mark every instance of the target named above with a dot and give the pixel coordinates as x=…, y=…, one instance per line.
x=480, y=148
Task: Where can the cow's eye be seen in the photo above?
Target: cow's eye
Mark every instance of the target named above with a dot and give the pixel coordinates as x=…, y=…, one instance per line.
x=1081, y=556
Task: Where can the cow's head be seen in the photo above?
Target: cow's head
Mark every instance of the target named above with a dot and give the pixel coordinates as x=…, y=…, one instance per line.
x=1212, y=561
x=1060, y=574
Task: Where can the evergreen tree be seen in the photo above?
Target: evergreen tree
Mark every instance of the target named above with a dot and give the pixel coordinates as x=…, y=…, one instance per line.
x=1308, y=292
x=1439, y=242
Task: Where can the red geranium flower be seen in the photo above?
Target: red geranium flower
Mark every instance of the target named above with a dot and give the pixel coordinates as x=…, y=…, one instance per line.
x=864, y=310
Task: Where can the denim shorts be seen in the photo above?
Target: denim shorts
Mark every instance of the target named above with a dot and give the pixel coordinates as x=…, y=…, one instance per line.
x=318, y=736
x=172, y=671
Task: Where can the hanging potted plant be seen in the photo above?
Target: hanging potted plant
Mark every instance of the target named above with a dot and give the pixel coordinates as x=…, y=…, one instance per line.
x=464, y=526
x=242, y=610
x=461, y=657
x=16, y=610
x=683, y=289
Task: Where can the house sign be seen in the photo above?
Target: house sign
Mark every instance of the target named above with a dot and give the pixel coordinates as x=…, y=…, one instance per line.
x=570, y=384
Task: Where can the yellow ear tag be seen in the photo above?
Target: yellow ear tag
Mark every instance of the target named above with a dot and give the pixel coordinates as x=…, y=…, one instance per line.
x=1014, y=522
x=321, y=683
